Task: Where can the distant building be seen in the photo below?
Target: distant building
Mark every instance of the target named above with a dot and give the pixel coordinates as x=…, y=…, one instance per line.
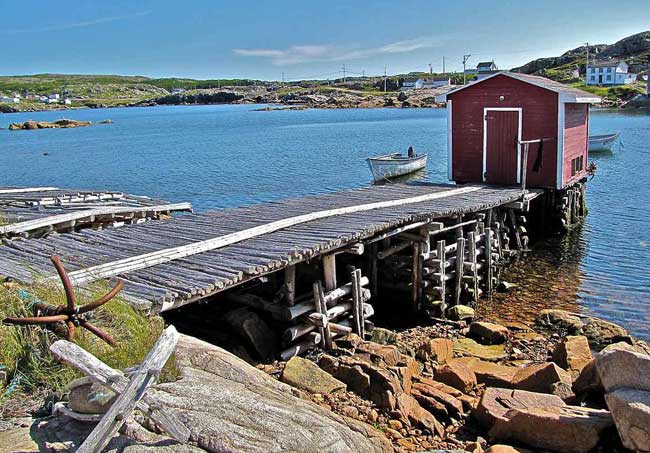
x=10, y=99
x=54, y=96
x=485, y=69
x=50, y=100
x=436, y=82
x=177, y=90
x=609, y=72
x=412, y=84
x=67, y=101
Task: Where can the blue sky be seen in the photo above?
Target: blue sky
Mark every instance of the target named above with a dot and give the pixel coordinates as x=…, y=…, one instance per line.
x=303, y=39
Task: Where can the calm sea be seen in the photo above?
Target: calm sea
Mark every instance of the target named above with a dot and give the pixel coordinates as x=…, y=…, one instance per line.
x=220, y=156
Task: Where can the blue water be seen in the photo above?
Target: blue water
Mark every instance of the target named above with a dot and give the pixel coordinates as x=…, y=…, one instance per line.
x=219, y=156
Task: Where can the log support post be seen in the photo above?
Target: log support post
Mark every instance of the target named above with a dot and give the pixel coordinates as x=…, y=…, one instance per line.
x=443, y=279
x=488, y=260
x=473, y=265
x=417, y=275
x=329, y=272
x=460, y=259
x=290, y=284
x=321, y=309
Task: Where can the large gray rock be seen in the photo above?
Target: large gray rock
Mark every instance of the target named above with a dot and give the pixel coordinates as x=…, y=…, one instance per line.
x=88, y=397
x=230, y=406
x=631, y=412
x=254, y=331
x=621, y=368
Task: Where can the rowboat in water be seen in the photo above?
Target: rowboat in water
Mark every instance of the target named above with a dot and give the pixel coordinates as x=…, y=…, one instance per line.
x=396, y=164
x=604, y=142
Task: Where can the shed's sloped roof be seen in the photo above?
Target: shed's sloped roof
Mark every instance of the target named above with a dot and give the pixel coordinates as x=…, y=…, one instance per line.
x=567, y=93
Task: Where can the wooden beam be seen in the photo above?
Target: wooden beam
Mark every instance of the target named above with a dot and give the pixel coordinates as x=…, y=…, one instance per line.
x=143, y=261
x=28, y=189
x=89, y=214
x=290, y=284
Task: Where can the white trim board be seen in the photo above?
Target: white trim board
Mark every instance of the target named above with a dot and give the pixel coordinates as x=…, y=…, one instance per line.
x=485, y=129
x=146, y=260
x=450, y=149
x=559, y=173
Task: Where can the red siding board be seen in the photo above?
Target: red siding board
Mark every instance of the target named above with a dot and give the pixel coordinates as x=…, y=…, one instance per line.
x=576, y=139
x=539, y=120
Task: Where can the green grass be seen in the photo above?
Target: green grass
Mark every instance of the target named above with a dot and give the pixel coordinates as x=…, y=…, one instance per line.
x=25, y=350
x=612, y=93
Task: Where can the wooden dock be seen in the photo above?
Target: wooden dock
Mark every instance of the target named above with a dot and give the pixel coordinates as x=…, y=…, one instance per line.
x=35, y=211
x=179, y=261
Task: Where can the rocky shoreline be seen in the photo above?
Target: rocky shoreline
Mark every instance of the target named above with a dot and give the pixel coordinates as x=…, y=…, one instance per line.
x=58, y=124
x=565, y=383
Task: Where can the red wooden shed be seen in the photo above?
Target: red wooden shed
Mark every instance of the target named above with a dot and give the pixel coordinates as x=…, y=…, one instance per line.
x=489, y=119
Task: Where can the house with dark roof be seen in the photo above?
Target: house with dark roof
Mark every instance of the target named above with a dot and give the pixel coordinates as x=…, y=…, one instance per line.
x=609, y=72
x=485, y=69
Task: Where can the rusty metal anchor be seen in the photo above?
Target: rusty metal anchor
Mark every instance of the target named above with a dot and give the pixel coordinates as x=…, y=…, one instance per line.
x=71, y=314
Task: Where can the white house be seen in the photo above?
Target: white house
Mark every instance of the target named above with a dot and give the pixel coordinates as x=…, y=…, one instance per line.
x=10, y=99
x=54, y=96
x=177, y=90
x=436, y=82
x=50, y=100
x=485, y=69
x=412, y=84
x=67, y=101
x=609, y=72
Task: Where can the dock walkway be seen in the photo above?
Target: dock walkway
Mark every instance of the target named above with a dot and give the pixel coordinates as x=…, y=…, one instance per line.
x=174, y=262
x=34, y=211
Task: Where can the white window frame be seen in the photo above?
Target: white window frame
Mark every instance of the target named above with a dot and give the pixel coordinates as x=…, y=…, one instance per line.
x=519, y=110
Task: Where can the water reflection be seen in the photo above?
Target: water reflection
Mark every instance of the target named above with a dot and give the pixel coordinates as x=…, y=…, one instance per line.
x=549, y=276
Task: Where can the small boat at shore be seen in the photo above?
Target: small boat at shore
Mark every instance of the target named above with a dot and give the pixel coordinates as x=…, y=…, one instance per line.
x=392, y=165
x=600, y=143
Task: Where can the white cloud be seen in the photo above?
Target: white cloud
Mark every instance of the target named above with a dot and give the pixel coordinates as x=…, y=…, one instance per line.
x=326, y=52
x=88, y=23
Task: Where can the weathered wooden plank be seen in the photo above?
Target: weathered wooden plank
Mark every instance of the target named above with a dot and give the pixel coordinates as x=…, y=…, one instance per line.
x=127, y=400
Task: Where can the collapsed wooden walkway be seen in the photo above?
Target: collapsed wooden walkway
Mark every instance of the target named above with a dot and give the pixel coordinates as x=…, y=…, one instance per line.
x=34, y=211
x=186, y=259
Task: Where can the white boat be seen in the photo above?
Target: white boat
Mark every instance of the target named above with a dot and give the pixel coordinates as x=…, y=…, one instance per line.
x=393, y=165
x=602, y=142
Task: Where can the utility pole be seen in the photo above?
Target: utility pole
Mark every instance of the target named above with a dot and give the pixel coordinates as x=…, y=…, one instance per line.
x=282, y=77
x=343, y=72
x=587, y=65
x=385, y=79
x=443, y=66
x=465, y=58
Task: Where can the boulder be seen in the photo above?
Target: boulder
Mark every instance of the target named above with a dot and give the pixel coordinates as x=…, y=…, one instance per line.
x=412, y=412
x=88, y=397
x=231, y=406
x=621, y=368
x=254, y=331
x=561, y=319
x=488, y=373
x=438, y=397
x=383, y=336
x=495, y=403
x=439, y=350
x=589, y=381
x=499, y=448
x=489, y=332
x=382, y=355
x=460, y=313
x=457, y=375
x=306, y=375
x=469, y=347
x=573, y=354
x=631, y=412
x=602, y=333
x=543, y=378
x=365, y=379
x=557, y=428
